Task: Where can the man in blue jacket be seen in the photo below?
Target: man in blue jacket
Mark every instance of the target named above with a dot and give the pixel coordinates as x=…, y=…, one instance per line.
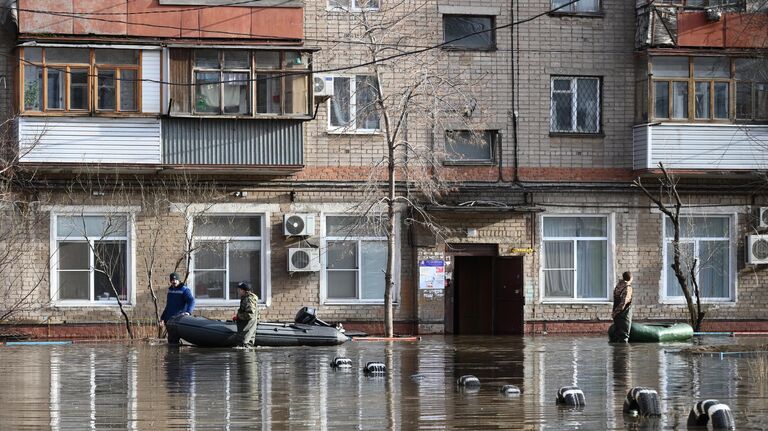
x=179, y=300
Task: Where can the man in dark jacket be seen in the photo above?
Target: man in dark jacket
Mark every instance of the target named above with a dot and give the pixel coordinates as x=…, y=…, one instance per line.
x=622, y=308
x=247, y=317
x=178, y=301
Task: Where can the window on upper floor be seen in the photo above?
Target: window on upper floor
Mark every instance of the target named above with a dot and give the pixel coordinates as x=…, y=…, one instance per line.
x=228, y=250
x=575, y=105
x=714, y=89
x=352, y=109
x=353, y=5
x=469, y=147
x=705, y=240
x=575, y=261
x=90, y=259
x=579, y=7
x=242, y=83
x=80, y=80
x=469, y=32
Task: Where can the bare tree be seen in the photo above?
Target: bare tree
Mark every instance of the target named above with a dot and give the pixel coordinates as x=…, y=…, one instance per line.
x=411, y=96
x=668, y=201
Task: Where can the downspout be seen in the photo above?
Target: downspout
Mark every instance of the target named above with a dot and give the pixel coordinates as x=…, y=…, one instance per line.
x=515, y=145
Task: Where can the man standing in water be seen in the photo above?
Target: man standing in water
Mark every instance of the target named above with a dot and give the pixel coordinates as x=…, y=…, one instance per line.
x=622, y=308
x=179, y=300
x=247, y=317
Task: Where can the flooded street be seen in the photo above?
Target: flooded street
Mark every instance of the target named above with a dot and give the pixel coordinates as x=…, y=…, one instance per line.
x=152, y=386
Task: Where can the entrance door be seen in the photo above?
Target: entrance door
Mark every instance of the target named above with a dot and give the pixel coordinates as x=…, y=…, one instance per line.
x=508, y=297
x=488, y=295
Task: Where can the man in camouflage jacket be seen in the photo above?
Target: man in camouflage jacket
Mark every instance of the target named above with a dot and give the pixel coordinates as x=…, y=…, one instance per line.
x=247, y=316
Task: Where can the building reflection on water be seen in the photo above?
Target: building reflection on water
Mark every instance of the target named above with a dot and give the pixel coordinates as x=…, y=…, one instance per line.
x=146, y=386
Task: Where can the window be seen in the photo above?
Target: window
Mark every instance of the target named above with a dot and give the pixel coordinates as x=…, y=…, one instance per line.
x=227, y=250
x=353, y=5
x=466, y=146
x=353, y=105
x=469, y=32
x=575, y=261
x=751, y=88
x=222, y=82
x=355, y=258
x=706, y=239
x=575, y=105
x=581, y=6
x=59, y=80
x=700, y=89
x=91, y=258
x=246, y=83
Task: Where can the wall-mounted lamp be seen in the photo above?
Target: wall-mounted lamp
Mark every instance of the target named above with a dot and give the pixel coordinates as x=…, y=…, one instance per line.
x=471, y=232
x=240, y=194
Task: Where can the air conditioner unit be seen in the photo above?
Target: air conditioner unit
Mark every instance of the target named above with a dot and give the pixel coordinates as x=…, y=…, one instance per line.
x=303, y=260
x=322, y=85
x=757, y=249
x=299, y=224
x=762, y=215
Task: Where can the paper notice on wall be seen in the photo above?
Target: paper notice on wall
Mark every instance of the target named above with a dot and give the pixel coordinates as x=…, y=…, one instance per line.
x=431, y=274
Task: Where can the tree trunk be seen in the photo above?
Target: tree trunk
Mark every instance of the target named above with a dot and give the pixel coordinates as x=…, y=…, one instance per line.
x=389, y=282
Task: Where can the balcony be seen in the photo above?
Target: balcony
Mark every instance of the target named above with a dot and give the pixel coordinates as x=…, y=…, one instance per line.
x=707, y=147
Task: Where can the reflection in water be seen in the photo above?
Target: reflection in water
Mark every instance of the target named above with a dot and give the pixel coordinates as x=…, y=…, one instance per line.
x=137, y=387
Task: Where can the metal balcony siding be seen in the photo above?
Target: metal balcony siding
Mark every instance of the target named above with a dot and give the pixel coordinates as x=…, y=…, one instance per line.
x=211, y=141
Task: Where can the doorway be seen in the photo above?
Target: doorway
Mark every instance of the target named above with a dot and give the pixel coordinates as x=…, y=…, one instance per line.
x=488, y=296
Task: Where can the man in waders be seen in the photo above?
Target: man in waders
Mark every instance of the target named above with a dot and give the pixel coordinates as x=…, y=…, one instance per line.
x=247, y=316
x=622, y=308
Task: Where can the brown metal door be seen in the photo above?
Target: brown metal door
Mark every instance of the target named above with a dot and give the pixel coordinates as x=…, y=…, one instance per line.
x=473, y=281
x=508, y=297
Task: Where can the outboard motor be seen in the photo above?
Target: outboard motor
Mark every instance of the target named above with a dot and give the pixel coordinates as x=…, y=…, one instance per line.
x=306, y=316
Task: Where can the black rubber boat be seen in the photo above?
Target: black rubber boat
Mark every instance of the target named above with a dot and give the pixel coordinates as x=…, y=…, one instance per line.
x=306, y=331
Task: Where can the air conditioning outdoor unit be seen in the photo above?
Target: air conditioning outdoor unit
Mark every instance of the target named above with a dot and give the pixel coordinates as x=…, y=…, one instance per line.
x=762, y=215
x=303, y=260
x=757, y=249
x=299, y=224
x=322, y=85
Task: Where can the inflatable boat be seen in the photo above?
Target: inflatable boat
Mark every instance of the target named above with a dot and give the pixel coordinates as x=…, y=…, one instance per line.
x=655, y=332
x=306, y=331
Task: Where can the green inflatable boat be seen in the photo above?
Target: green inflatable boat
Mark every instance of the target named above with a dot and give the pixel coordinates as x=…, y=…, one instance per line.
x=655, y=332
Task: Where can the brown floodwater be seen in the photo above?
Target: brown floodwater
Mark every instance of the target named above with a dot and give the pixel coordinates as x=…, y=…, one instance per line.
x=151, y=386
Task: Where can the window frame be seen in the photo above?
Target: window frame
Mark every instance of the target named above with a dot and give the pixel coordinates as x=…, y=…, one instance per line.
x=263, y=259
x=324, y=297
x=354, y=7
x=609, y=264
x=55, y=239
x=491, y=136
x=351, y=128
x=283, y=72
x=732, y=100
x=92, y=85
x=450, y=46
x=732, y=269
x=574, y=105
x=570, y=10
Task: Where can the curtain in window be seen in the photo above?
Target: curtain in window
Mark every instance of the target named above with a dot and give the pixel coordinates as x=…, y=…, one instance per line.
x=686, y=260
x=680, y=99
x=342, y=269
x=33, y=87
x=591, y=272
x=587, y=105
x=365, y=102
x=207, y=95
x=374, y=263
x=714, y=269
x=558, y=272
x=340, y=112
x=235, y=93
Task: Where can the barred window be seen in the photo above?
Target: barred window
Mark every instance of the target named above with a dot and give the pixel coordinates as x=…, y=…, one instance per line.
x=581, y=6
x=575, y=104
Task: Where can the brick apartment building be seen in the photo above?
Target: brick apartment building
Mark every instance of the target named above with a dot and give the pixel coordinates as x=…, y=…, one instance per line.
x=162, y=135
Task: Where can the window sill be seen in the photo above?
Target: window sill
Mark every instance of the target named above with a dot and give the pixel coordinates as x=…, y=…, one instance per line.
x=353, y=132
x=361, y=303
x=602, y=301
x=559, y=14
x=467, y=49
x=90, y=114
x=599, y=135
x=89, y=304
x=351, y=10
x=469, y=164
x=681, y=301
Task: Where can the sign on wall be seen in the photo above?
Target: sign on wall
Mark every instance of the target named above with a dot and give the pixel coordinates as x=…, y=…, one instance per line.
x=432, y=274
